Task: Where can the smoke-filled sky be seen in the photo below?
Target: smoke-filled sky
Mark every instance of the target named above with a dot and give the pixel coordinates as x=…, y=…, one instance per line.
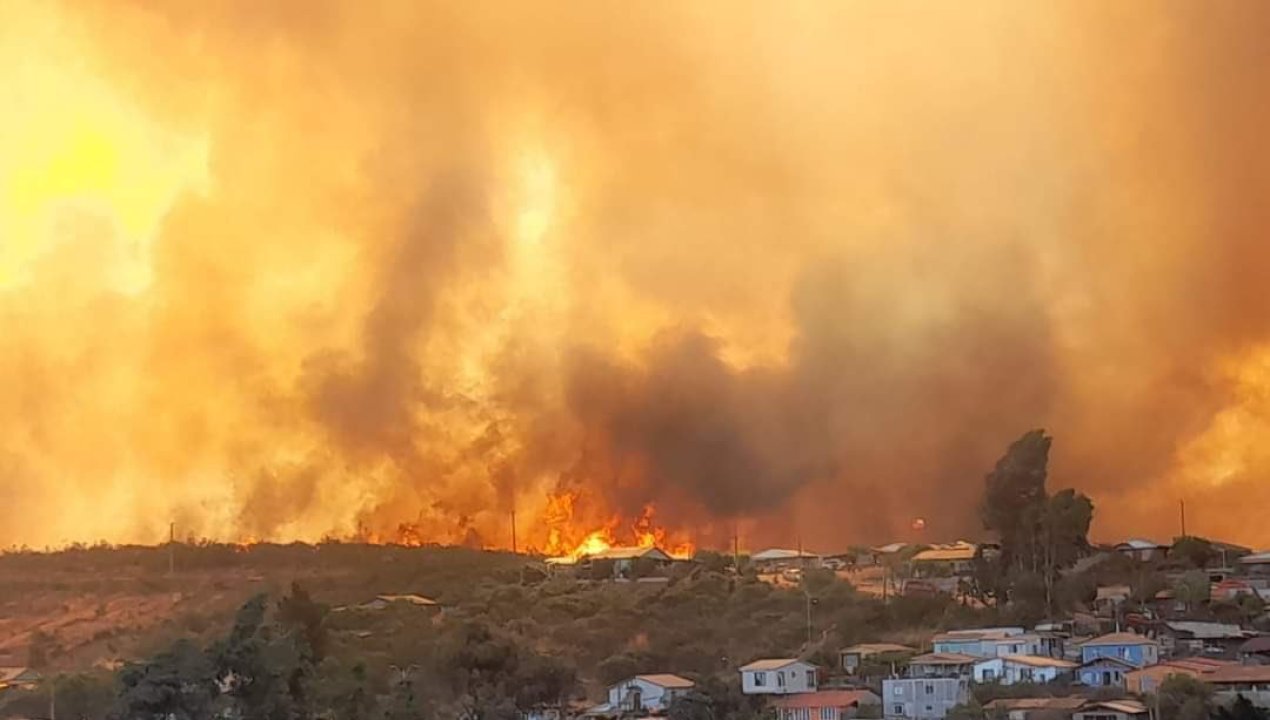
x=319, y=268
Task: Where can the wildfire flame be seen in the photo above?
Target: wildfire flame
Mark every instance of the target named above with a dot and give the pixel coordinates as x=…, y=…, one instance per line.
x=566, y=539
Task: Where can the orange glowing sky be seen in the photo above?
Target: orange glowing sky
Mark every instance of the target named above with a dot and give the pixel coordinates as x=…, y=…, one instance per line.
x=324, y=268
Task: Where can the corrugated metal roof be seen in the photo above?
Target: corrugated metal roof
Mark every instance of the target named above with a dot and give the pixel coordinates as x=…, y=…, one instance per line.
x=1239, y=674
x=877, y=648
x=667, y=680
x=628, y=553
x=1119, y=638
x=1039, y=661
x=770, y=664
x=1208, y=630
x=945, y=659
x=825, y=699
x=1130, y=707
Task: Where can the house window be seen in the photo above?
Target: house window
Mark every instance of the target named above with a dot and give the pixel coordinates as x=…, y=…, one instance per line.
x=811, y=678
x=899, y=690
x=930, y=688
x=760, y=679
x=897, y=709
x=989, y=674
x=780, y=679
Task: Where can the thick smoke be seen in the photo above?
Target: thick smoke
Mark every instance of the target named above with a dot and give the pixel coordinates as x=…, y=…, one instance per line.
x=320, y=268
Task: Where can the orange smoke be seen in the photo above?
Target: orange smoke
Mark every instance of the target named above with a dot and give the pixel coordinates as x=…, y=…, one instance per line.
x=397, y=273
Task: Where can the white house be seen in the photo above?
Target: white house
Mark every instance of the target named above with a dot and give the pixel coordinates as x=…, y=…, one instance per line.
x=1011, y=669
x=991, y=642
x=932, y=685
x=779, y=676
x=642, y=693
x=1143, y=550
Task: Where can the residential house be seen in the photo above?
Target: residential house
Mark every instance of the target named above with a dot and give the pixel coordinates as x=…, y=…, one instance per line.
x=1142, y=550
x=1011, y=669
x=1146, y=680
x=991, y=642
x=1181, y=638
x=1109, y=598
x=1112, y=710
x=851, y=658
x=932, y=684
x=1251, y=681
x=1135, y=649
x=1105, y=672
x=647, y=694
x=1257, y=564
x=953, y=559
x=1255, y=651
x=621, y=562
x=778, y=676
x=15, y=678
x=822, y=704
x=1047, y=708
x=777, y=559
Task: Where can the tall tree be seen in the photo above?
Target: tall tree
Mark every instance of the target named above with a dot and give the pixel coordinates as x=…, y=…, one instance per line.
x=1014, y=498
x=178, y=684
x=1039, y=534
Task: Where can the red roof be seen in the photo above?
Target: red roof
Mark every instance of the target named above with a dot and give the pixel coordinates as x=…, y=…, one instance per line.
x=825, y=698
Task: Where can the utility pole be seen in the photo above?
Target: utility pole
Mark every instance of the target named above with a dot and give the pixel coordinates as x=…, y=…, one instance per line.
x=736, y=546
x=171, y=548
x=53, y=699
x=514, y=549
x=808, y=594
x=1182, y=507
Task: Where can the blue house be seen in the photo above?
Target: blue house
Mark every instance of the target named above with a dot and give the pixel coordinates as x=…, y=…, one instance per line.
x=1104, y=660
x=1104, y=672
x=1130, y=647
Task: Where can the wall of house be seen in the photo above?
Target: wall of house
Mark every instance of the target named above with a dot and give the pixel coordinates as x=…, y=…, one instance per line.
x=1097, y=675
x=793, y=678
x=652, y=696
x=1140, y=655
x=924, y=698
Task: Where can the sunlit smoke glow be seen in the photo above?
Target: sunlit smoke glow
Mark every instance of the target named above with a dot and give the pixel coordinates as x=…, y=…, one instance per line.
x=636, y=274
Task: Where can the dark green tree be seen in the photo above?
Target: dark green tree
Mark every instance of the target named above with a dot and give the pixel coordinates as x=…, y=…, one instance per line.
x=1241, y=709
x=179, y=684
x=1197, y=552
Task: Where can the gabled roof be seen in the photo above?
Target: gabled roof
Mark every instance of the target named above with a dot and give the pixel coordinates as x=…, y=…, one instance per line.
x=1197, y=665
x=944, y=659
x=825, y=699
x=771, y=664
x=666, y=680
x=1039, y=661
x=628, y=553
x=1110, y=659
x=1260, y=558
x=891, y=548
x=1119, y=638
